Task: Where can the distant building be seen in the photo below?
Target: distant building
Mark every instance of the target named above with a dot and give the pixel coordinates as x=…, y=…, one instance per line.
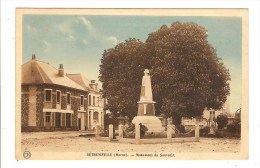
x=52, y=100
x=209, y=115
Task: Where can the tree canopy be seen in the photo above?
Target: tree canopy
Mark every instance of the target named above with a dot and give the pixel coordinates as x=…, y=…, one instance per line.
x=120, y=71
x=186, y=73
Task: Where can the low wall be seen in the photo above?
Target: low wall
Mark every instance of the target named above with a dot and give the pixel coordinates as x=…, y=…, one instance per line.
x=158, y=140
x=138, y=140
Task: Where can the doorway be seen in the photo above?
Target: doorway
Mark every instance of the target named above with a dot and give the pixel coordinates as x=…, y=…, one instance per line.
x=47, y=120
x=68, y=120
x=58, y=120
x=79, y=121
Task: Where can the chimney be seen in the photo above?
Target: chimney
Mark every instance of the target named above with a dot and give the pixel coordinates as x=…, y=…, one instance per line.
x=61, y=71
x=93, y=84
x=33, y=57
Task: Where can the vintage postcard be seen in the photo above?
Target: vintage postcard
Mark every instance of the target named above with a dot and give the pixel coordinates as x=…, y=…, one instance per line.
x=131, y=84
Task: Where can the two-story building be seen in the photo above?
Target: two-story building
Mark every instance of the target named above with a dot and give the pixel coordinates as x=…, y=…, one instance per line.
x=51, y=100
x=95, y=109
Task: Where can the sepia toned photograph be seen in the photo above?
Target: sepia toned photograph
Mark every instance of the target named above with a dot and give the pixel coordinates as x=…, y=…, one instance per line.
x=131, y=84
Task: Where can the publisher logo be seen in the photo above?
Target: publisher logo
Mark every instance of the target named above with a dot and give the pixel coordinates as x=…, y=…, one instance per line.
x=26, y=154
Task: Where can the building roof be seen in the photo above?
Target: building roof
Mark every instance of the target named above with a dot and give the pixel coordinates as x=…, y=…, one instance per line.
x=83, y=82
x=79, y=79
x=38, y=72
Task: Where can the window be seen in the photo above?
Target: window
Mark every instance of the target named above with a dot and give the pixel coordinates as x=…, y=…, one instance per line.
x=58, y=96
x=89, y=99
x=68, y=98
x=95, y=116
x=68, y=120
x=81, y=100
x=48, y=117
x=48, y=95
x=94, y=101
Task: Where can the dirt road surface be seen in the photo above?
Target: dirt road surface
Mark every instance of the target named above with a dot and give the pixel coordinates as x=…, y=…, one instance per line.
x=73, y=142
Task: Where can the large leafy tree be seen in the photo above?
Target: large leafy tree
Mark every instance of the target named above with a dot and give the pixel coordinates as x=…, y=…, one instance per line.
x=120, y=71
x=187, y=75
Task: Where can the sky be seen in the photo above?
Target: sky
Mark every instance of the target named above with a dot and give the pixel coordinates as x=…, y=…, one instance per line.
x=78, y=41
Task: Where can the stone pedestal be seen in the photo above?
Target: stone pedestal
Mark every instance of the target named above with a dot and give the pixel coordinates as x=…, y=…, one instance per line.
x=110, y=132
x=211, y=131
x=153, y=123
x=120, y=131
x=137, y=131
x=212, y=128
x=164, y=122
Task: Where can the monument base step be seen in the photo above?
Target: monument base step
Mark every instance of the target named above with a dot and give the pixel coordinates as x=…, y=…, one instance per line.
x=153, y=123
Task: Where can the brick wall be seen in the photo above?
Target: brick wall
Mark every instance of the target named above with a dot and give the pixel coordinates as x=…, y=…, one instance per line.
x=75, y=105
x=40, y=104
x=32, y=106
x=39, y=109
x=63, y=102
x=85, y=102
x=53, y=100
x=24, y=110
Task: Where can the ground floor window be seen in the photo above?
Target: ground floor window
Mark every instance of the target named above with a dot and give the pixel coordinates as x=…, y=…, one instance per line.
x=95, y=116
x=68, y=120
x=48, y=117
x=58, y=119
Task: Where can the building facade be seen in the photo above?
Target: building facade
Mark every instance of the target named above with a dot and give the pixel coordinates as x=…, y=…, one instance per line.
x=51, y=100
x=96, y=104
x=208, y=117
x=95, y=109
